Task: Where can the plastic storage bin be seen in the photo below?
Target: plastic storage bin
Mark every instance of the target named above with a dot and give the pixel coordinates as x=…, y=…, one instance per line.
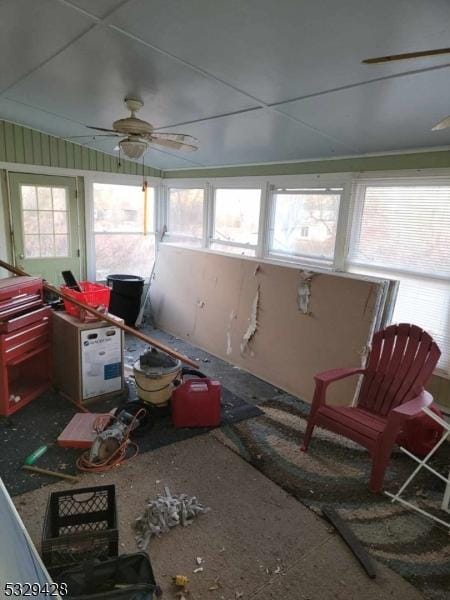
x=127, y=577
x=93, y=294
x=80, y=525
x=126, y=296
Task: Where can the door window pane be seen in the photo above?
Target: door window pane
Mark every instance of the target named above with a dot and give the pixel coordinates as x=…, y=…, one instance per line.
x=61, y=245
x=44, y=195
x=32, y=246
x=305, y=224
x=47, y=245
x=45, y=222
x=59, y=199
x=41, y=227
x=236, y=217
x=30, y=221
x=29, y=201
x=60, y=221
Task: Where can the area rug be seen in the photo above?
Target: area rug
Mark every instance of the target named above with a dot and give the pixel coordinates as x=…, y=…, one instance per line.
x=335, y=473
x=40, y=423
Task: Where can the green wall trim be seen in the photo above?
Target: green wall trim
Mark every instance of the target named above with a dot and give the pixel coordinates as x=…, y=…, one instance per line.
x=19, y=144
x=391, y=162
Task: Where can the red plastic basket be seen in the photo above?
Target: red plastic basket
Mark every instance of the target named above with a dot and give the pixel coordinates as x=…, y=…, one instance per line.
x=93, y=294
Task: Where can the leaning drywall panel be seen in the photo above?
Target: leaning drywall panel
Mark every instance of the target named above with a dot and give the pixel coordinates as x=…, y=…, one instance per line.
x=253, y=315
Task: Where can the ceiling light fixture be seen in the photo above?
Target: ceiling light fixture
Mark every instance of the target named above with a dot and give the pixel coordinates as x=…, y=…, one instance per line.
x=133, y=148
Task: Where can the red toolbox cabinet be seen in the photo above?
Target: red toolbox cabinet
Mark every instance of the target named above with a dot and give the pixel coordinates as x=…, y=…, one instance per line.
x=25, y=356
x=196, y=403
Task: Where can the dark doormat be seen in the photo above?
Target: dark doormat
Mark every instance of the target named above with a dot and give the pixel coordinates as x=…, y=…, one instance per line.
x=41, y=422
x=335, y=473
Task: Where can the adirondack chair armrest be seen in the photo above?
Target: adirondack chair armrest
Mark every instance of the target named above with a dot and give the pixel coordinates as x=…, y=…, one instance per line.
x=413, y=407
x=324, y=379
x=327, y=377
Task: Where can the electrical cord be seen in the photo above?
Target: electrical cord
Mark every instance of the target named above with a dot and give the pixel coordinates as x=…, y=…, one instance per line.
x=119, y=456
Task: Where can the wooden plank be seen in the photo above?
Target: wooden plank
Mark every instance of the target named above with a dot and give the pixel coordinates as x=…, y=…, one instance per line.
x=2, y=141
x=62, y=158
x=9, y=142
x=100, y=165
x=92, y=160
x=54, y=155
x=107, y=163
x=37, y=149
x=85, y=157
x=18, y=144
x=28, y=145
x=45, y=148
x=70, y=155
x=351, y=540
x=78, y=161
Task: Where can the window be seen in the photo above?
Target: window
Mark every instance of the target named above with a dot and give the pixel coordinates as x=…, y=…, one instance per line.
x=123, y=230
x=236, y=220
x=45, y=221
x=304, y=223
x=403, y=232
x=185, y=216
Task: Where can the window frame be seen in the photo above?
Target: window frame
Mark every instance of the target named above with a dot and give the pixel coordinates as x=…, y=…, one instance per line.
x=341, y=223
x=236, y=185
x=165, y=214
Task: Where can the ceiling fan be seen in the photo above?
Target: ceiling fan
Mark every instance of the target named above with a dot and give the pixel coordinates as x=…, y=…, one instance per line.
x=138, y=135
x=444, y=123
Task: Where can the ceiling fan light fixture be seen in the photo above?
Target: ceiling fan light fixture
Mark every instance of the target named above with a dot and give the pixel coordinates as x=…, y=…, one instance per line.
x=133, y=149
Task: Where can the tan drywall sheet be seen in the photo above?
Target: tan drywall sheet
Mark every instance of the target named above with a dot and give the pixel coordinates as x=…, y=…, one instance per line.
x=248, y=313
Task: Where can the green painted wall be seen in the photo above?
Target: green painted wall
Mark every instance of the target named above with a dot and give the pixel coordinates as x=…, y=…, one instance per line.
x=393, y=162
x=20, y=144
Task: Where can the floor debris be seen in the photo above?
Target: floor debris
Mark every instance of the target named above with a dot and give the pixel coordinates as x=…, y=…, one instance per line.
x=165, y=512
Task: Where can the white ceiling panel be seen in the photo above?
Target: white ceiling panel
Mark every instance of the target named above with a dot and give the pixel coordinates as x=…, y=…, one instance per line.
x=258, y=136
x=37, y=119
x=279, y=50
x=390, y=115
x=89, y=81
x=31, y=32
x=99, y=8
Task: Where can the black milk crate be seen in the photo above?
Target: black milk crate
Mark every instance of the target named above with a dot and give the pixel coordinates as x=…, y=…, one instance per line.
x=80, y=525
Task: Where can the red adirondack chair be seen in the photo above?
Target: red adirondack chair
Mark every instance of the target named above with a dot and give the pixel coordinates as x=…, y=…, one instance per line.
x=401, y=360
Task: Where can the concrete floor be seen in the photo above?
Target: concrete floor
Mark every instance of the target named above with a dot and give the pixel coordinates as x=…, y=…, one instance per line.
x=257, y=542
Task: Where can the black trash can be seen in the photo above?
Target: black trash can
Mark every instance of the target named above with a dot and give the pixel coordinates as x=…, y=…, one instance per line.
x=126, y=293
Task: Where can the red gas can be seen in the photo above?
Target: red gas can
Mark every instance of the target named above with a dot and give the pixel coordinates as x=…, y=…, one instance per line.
x=196, y=403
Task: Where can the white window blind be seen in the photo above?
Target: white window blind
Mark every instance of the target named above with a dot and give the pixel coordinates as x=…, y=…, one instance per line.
x=403, y=232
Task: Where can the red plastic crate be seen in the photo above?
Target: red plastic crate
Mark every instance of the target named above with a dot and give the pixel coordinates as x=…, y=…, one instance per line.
x=93, y=294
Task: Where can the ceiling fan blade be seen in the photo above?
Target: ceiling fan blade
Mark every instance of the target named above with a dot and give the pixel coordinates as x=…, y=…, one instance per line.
x=101, y=129
x=444, y=124
x=172, y=144
x=92, y=135
x=405, y=56
x=178, y=137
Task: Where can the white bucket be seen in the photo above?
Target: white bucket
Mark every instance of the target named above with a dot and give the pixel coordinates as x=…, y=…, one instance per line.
x=154, y=374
